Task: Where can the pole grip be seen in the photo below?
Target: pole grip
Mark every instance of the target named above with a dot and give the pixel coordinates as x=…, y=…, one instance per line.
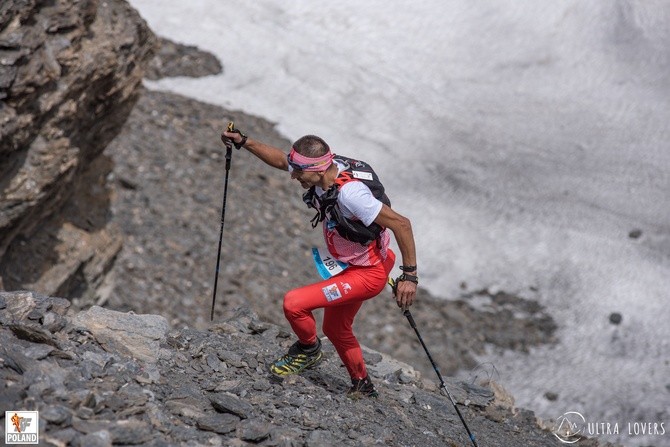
x=229, y=145
x=229, y=156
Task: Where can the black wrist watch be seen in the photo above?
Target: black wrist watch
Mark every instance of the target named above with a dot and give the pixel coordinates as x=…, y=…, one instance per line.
x=408, y=277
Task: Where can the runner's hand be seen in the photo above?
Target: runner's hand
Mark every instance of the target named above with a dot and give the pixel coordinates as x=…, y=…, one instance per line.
x=232, y=135
x=405, y=294
x=228, y=137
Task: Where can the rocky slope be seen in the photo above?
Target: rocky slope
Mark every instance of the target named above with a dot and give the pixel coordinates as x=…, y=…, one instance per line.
x=101, y=378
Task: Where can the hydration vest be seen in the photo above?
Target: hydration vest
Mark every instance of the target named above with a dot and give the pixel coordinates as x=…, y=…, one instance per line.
x=327, y=206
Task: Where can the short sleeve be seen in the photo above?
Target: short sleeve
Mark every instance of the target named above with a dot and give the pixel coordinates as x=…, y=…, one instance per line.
x=356, y=200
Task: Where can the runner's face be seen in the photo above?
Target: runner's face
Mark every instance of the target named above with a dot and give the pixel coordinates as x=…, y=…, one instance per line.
x=307, y=179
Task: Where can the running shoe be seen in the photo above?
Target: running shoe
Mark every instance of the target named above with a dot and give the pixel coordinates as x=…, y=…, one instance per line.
x=362, y=388
x=297, y=359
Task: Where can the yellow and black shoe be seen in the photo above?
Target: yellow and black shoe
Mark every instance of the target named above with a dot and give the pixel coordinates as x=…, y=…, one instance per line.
x=362, y=388
x=297, y=360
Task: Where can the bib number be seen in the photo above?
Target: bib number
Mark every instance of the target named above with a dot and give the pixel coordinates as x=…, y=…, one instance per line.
x=326, y=265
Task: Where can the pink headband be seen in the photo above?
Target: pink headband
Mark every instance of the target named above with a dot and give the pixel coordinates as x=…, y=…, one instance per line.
x=303, y=163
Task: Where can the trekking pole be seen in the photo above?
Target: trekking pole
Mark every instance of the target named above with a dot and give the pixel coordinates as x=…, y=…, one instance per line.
x=229, y=155
x=408, y=314
x=437, y=371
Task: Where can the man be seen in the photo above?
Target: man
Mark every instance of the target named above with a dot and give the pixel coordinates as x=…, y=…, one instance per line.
x=355, y=224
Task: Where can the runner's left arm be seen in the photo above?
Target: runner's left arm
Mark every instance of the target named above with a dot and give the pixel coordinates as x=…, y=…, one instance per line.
x=402, y=230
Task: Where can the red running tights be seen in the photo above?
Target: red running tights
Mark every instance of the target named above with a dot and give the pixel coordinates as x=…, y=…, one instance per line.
x=341, y=297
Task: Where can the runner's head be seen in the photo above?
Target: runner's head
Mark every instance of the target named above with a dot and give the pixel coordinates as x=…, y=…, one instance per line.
x=311, y=146
x=309, y=159
x=310, y=153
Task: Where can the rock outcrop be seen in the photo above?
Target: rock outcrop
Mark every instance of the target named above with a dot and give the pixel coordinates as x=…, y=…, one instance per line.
x=176, y=59
x=69, y=77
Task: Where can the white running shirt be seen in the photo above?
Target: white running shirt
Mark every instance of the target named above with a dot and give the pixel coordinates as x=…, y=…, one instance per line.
x=356, y=202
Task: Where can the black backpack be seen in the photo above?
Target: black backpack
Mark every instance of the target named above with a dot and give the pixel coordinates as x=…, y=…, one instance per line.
x=326, y=205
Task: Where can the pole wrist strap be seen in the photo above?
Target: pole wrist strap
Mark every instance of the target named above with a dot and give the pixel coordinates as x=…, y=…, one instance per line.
x=231, y=128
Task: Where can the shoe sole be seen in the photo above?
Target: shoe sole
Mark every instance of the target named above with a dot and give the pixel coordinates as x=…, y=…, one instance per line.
x=357, y=395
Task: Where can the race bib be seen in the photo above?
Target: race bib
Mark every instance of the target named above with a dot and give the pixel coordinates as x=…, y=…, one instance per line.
x=326, y=265
x=362, y=175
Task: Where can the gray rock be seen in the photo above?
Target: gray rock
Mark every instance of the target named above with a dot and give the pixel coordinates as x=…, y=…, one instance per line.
x=227, y=403
x=128, y=432
x=131, y=432
x=174, y=59
x=87, y=427
x=14, y=357
x=321, y=438
x=34, y=334
x=56, y=414
x=101, y=359
x=101, y=438
x=185, y=409
x=213, y=362
x=615, y=318
x=286, y=437
x=132, y=395
x=233, y=359
x=253, y=430
x=218, y=423
x=38, y=352
x=19, y=304
x=137, y=335
x=68, y=436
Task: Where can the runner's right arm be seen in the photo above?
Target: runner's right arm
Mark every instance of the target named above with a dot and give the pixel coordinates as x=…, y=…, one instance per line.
x=271, y=155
